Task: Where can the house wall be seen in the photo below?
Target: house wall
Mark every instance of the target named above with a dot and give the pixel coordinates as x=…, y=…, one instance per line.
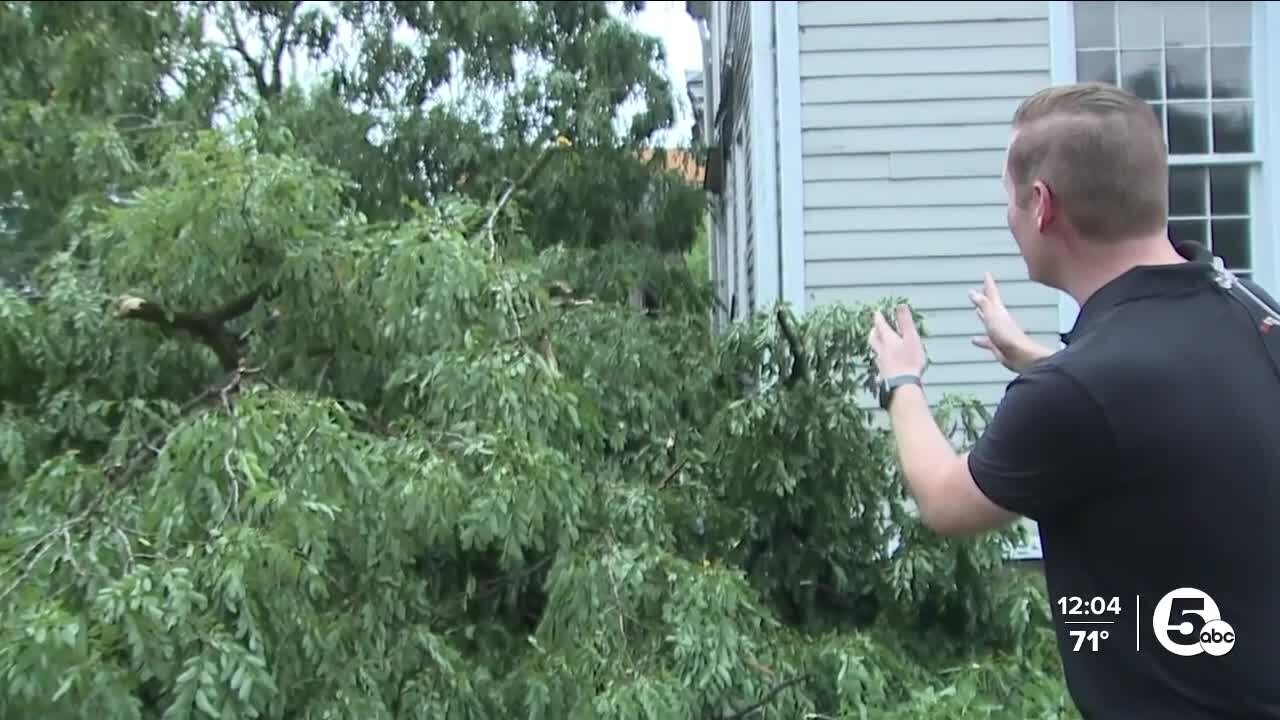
x=904, y=114
x=732, y=225
x=740, y=158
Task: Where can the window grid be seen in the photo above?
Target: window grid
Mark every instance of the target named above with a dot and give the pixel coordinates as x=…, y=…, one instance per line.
x=1249, y=160
x=1117, y=49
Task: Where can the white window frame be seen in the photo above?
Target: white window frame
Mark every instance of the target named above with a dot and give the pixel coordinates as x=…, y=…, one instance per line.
x=1264, y=230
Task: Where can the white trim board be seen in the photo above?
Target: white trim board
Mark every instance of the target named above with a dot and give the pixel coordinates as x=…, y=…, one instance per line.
x=790, y=170
x=764, y=158
x=1062, y=71
x=1266, y=70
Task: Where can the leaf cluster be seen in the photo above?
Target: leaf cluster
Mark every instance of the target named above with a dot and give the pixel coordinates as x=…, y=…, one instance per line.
x=440, y=482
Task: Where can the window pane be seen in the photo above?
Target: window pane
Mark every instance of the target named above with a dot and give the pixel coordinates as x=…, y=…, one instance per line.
x=1185, y=23
x=1188, y=128
x=1229, y=190
x=1230, y=23
x=1231, y=243
x=1140, y=73
x=1140, y=25
x=1096, y=66
x=1186, y=191
x=1232, y=127
x=1095, y=24
x=1187, y=231
x=1231, y=77
x=1188, y=73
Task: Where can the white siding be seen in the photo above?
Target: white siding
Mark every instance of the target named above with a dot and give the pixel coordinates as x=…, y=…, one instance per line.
x=731, y=233
x=905, y=113
x=739, y=143
x=733, y=214
x=723, y=217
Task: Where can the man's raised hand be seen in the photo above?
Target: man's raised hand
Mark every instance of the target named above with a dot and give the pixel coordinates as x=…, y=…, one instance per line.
x=1012, y=347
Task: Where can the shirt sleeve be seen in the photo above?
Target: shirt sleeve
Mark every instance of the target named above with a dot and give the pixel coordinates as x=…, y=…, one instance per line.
x=1046, y=448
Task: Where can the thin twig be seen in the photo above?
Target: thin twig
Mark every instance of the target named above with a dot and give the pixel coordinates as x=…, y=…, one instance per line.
x=235, y=443
x=128, y=547
x=673, y=472
x=622, y=613
x=26, y=571
x=324, y=370
x=66, y=544
x=515, y=185
x=768, y=698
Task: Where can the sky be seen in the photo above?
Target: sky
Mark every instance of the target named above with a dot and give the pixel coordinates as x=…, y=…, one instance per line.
x=679, y=34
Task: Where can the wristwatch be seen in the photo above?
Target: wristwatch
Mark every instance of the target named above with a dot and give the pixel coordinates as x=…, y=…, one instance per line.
x=893, y=382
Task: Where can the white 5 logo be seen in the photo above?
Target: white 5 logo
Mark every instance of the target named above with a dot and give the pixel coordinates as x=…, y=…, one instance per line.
x=1187, y=622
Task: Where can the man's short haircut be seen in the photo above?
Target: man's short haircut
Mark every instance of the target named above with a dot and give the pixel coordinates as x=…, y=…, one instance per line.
x=1101, y=152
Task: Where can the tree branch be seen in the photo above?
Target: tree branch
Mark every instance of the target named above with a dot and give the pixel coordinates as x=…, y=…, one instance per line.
x=518, y=184
x=673, y=472
x=118, y=474
x=768, y=698
x=124, y=471
x=800, y=363
x=281, y=39
x=207, y=327
x=238, y=45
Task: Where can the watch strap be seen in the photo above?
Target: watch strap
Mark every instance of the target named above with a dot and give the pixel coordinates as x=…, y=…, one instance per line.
x=893, y=382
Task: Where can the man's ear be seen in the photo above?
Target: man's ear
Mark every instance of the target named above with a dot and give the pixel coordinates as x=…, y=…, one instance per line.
x=1046, y=207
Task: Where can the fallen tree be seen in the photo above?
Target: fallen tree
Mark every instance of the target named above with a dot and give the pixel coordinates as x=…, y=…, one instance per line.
x=264, y=458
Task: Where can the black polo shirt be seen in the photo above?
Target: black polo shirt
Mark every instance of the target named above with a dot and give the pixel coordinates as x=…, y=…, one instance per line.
x=1148, y=451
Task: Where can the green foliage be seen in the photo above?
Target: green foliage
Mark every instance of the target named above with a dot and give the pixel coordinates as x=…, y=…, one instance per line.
x=418, y=101
x=433, y=491
x=84, y=98
x=698, y=256
x=301, y=421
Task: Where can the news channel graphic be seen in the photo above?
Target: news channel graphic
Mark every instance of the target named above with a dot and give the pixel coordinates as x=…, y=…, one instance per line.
x=1186, y=622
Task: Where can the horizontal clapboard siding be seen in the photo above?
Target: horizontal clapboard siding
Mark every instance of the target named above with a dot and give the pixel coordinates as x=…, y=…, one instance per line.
x=928, y=35
x=918, y=217
x=909, y=271
x=883, y=88
x=905, y=244
x=931, y=297
x=908, y=113
x=922, y=61
x=841, y=141
x=827, y=13
x=905, y=116
x=904, y=193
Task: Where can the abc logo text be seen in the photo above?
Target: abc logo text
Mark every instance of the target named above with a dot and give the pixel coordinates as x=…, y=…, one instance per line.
x=1187, y=622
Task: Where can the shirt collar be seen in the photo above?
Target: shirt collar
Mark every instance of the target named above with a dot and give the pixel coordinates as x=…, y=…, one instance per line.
x=1145, y=281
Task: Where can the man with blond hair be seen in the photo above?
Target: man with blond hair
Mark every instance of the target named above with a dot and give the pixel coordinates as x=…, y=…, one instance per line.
x=1147, y=449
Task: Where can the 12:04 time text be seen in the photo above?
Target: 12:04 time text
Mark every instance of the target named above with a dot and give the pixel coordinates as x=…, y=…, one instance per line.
x=1072, y=605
